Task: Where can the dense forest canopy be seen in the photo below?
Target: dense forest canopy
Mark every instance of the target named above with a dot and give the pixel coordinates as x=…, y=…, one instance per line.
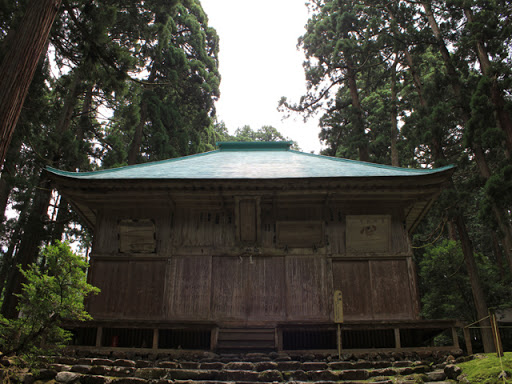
x=409, y=83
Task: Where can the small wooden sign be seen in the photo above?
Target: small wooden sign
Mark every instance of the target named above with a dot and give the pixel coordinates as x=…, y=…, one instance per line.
x=338, y=307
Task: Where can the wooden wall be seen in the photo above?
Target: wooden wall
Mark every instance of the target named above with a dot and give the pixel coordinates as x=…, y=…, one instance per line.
x=252, y=261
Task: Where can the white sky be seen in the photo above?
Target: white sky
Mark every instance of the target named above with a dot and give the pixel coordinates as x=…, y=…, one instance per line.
x=259, y=63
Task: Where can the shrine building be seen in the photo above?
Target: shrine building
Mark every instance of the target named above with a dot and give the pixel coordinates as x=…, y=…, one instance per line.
x=244, y=248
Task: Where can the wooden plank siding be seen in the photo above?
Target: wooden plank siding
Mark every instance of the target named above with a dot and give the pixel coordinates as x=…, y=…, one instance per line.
x=130, y=289
x=381, y=291
x=187, y=288
x=252, y=260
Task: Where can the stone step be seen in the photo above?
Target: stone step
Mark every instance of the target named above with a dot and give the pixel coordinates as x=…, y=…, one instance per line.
x=254, y=368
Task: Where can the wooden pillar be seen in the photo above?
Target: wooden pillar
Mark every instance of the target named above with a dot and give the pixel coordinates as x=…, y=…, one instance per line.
x=455, y=338
x=155, y=338
x=213, y=338
x=279, y=344
x=398, y=344
x=99, y=336
x=467, y=339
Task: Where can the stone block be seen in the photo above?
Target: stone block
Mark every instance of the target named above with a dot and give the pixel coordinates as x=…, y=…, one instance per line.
x=168, y=364
x=121, y=371
x=289, y=365
x=99, y=361
x=100, y=370
x=191, y=374
x=265, y=365
x=341, y=365
x=295, y=376
x=314, y=366
x=436, y=375
x=237, y=376
x=216, y=365
x=60, y=367
x=452, y=371
x=324, y=375
x=150, y=373
x=354, y=374
x=93, y=379
x=189, y=364
x=123, y=363
x=67, y=377
x=81, y=368
x=239, y=366
x=130, y=380
x=270, y=375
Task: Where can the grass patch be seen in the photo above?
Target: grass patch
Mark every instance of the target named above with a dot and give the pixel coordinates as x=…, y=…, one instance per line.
x=486, y=369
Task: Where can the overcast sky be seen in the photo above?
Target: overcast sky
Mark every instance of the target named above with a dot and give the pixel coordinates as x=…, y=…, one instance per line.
x=259, y=63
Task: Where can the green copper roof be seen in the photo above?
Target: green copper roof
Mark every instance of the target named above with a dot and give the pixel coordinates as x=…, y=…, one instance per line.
x=253, y=160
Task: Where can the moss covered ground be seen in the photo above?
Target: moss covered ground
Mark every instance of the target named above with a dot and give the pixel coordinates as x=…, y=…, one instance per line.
x=487, y=369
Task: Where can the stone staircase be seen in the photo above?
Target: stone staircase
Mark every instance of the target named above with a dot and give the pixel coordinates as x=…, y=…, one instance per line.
x=248, y=368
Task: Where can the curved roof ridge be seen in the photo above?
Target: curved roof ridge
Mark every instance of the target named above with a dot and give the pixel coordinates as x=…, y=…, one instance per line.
x=124, y=167
x=376, y=165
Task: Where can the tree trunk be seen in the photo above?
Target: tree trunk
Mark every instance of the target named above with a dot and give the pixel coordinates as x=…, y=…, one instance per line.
x=28, y=250
x=358, y=111
x=63, y=217
x=134, y=149
x=394, y=113
x=8, y=172
x=20, y=62
x=476, y=287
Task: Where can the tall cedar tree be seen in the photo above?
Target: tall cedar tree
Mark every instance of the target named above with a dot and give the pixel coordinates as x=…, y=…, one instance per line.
x=25, y=45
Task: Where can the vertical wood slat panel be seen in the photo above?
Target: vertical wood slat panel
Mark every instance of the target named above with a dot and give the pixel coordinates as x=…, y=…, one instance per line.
x=265, y=292
x=391, y=293
x=352, y=278
x=188, y=288
x=306, y=290
x=145, y=300
x=248, y=220
x=128, y=288
x=228, y=289
x=108, y=276
x=105, y=234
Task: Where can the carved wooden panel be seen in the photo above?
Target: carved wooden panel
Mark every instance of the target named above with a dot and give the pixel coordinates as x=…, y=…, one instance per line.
x=368, y=233
x=137, y=236
x=305, y=234
x=188, y=287
x=306, y=288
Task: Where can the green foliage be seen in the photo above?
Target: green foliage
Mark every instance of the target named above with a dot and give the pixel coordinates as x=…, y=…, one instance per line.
x=445, y=287
x=50, y=295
